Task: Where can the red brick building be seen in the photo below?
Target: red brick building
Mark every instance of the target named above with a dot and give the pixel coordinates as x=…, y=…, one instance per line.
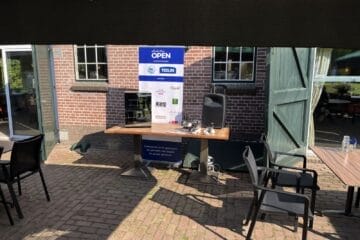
x=85, y=106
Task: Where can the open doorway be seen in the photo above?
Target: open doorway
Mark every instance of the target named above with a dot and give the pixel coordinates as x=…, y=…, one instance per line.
x=18, y=105
x=337, y=112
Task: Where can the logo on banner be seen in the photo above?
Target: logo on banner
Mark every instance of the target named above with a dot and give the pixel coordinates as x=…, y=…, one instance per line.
x=151, y=69
x=170, y=70
x=160, y=92
x=160, y=104
x=175, y=88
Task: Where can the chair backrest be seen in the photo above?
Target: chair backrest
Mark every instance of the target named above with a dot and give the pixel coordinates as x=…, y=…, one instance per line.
x=1, y=151
x=268, y=153
x=250, y=162
x=26, y=155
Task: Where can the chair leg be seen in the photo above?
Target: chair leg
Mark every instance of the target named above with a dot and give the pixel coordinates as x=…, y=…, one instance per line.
x=253, y=221
x=305, y=227
x=296, y=223
x=248, y=216
x=6, y=207
x=19, y=185
x=357, y=201
x=312, y=207
x=44, y=185
x=15, y=201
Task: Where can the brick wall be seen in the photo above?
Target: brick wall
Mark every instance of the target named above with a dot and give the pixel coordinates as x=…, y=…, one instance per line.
x=82, y=113
x=245, y=108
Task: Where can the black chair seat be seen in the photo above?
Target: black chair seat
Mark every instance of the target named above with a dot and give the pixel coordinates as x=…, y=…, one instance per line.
x=290, y=180
x=25, y=160
x=2, y=197
x=281, y=203
x=2, y=175
x=271, y=200
x=298, y=178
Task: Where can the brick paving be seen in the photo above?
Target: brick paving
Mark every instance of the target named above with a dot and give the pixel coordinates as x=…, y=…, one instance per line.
x=91, y=200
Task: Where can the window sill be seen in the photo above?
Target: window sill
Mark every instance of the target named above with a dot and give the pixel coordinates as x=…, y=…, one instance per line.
x=236, y=88
x=89, y=87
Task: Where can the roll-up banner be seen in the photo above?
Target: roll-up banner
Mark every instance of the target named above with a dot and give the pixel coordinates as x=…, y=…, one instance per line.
x=161, y=72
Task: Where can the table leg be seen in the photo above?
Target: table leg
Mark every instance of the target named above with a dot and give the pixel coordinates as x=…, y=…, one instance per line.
x=139, y=169
x=202, y=176
x=348, y=204
x=357, y=201
x=349, y=200
x=137, y=150
x=204, y=153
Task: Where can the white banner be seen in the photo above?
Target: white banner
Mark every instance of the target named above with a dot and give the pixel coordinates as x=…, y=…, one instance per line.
x=161, y=72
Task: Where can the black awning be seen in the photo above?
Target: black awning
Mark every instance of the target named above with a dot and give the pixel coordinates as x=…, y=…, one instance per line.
x=326, y=23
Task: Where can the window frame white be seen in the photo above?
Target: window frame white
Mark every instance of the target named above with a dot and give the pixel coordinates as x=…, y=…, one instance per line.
x=227, y=62
x=86, y=63
x=336, y=79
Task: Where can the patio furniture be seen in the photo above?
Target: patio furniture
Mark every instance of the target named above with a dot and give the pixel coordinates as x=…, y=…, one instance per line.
x=270, y=200
x=346, y=166
x=24, y=162
x=169, y=130
x=357, y=201
x=298, y=178
x=2, y=198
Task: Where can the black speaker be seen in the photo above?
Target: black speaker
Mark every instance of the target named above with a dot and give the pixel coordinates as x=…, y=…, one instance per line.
x=214, y=110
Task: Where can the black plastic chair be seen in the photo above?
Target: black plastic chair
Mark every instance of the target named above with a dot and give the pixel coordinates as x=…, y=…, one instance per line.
x=2, y=197
x=298, y=178
x=270, y=200
x=25, y=161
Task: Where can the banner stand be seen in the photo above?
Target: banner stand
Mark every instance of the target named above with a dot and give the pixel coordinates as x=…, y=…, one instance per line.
x=161, y=72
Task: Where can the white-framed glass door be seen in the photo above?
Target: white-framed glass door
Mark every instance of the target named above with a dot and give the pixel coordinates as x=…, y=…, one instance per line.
x=18, y=90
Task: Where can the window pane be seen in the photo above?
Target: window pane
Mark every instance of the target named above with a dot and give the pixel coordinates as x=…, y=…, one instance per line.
x=247, y=54
x=102, y=70
x=80, y=55
x=90, y=55
x=233, y=71
x=220, y=69
x=345, y=62
x=220, y=54
x=82, y=73
x=91, y=71
x=101, y=54
x=234, y=54
x=246, y=71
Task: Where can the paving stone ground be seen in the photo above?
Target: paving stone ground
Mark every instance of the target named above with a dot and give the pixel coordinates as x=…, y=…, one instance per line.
x=91, y=200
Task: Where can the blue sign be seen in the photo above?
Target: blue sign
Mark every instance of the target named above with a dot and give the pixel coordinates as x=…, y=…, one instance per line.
x=153, y=150
x=173, y=55
x=164, y=64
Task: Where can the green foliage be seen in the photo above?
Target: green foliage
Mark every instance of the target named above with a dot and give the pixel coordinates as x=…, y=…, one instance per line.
x=333, y=88
x=15, y=77
x=343, y=88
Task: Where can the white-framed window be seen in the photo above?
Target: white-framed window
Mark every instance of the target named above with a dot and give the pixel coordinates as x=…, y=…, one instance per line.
x=343, y=65
x=91, y=63
x=233, y=64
